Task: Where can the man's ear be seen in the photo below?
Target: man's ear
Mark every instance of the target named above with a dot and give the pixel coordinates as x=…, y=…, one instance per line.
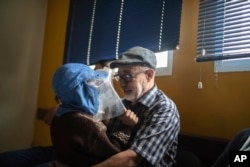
x=150, y=74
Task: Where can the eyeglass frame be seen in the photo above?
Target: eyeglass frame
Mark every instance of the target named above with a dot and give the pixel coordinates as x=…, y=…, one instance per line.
x=129, y=78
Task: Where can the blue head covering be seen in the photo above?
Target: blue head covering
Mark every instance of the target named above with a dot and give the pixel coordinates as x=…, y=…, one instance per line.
x=70, y=84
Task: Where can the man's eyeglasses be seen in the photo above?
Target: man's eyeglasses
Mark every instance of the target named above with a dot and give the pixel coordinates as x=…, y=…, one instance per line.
x=127, y=77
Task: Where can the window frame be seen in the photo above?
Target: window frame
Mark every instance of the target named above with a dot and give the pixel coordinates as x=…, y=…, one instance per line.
x=229, y=50
x=233, y=65
x=167, y=70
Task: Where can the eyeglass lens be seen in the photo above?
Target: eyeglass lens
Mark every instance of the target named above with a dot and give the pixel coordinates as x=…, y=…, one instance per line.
x=127, y=77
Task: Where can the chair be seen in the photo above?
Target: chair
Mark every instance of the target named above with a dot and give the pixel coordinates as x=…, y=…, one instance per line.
x=186, y=158
x=240, y=142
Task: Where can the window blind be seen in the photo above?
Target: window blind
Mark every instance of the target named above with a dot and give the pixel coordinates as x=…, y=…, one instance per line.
x=223, y=30
x=102, y=29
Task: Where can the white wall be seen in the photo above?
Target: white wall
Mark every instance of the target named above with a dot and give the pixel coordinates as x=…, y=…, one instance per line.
x=22, y=25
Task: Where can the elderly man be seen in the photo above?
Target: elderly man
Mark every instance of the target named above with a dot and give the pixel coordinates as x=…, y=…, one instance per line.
x=155, y=137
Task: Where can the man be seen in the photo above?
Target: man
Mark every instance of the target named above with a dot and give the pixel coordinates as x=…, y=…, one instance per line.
x=154, y=139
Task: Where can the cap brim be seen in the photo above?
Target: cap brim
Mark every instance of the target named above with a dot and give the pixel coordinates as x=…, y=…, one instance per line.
x=118, y=63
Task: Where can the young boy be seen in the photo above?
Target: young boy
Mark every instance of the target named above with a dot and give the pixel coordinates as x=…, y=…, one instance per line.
x=78, y=139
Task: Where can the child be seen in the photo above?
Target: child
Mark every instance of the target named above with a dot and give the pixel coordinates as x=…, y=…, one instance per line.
x=79, y=139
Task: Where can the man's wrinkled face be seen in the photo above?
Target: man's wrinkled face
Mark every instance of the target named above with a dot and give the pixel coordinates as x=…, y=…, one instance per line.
x=132, y=81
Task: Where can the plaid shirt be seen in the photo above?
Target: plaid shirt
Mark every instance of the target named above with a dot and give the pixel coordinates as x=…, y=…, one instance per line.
x=155, y=137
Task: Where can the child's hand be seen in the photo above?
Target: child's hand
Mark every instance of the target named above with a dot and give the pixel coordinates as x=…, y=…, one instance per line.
x=129, y=118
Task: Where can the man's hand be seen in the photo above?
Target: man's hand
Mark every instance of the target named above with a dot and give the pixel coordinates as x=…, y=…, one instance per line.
x=129, y=118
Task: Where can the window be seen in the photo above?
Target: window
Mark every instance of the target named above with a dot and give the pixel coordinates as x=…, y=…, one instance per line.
x=164, y=63
x=224, y=34
x=103, y=29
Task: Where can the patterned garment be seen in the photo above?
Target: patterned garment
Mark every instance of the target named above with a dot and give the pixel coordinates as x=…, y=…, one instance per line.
x=121, y=137
x=155, y=137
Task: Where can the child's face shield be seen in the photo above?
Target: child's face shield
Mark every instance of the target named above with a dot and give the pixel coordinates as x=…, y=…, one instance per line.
x=110, y=104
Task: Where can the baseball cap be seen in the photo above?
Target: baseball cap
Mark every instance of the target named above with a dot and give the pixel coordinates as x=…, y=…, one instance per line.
x=136, y=56
x=70, y=84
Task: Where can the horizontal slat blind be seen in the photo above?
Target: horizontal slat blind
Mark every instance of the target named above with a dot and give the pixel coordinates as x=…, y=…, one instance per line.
x=223, y=29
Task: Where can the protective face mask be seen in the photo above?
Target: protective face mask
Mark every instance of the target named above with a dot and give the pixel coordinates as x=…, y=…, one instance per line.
x=110, y=104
